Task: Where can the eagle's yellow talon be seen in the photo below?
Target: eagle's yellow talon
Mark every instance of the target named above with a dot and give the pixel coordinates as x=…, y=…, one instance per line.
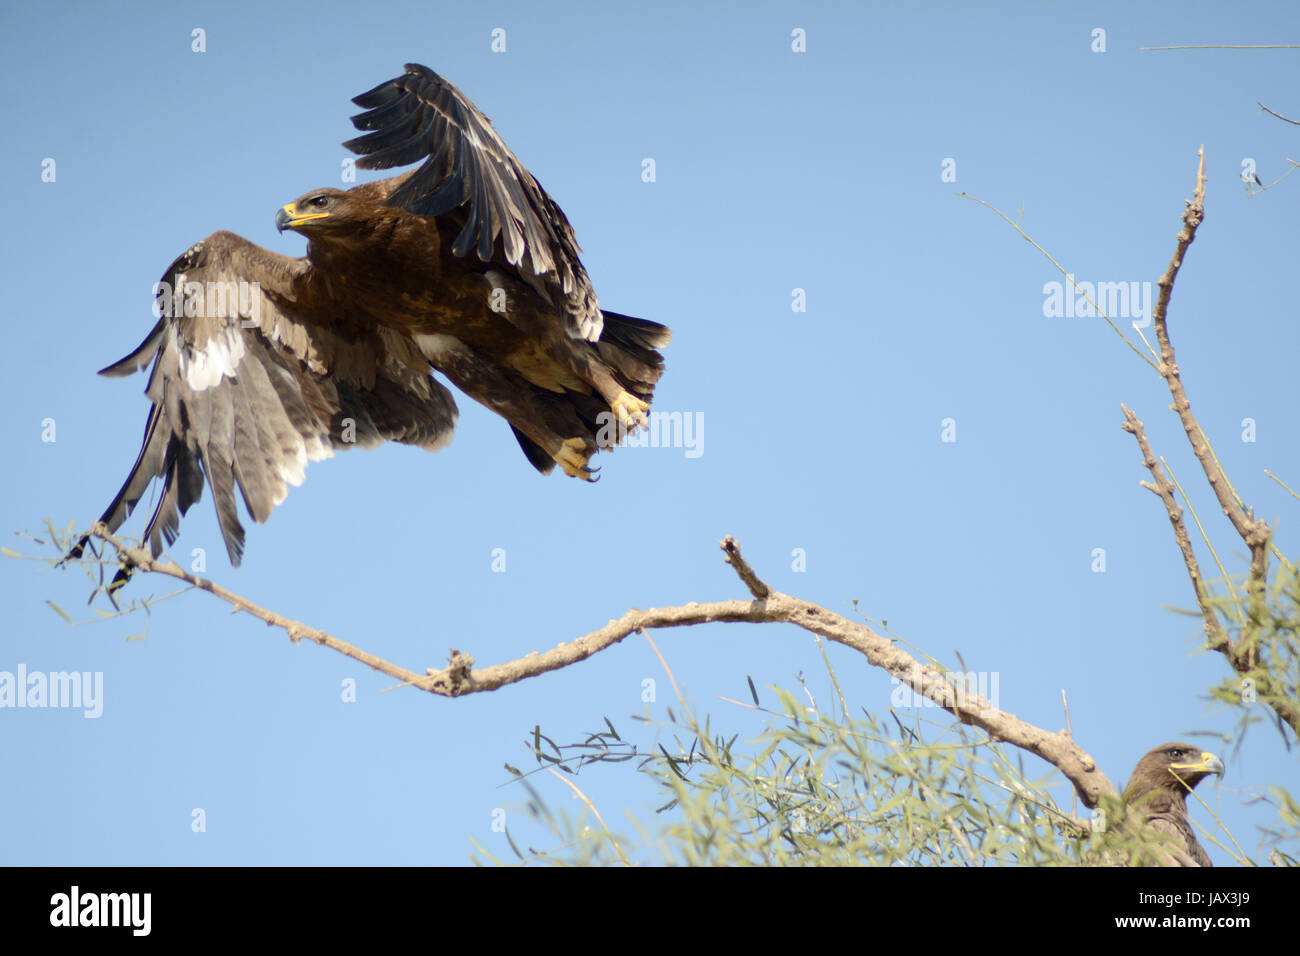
x=573, y=456
x=630, y=411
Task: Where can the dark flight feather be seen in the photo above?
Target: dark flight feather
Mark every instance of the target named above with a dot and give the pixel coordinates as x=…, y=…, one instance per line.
x=420, y=115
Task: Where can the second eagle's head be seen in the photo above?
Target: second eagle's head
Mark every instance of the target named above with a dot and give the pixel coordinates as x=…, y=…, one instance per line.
x=1173, y=767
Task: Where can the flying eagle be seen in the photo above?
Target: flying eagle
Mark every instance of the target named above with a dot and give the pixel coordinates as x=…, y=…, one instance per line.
x=464, y=265
x=1157, y=795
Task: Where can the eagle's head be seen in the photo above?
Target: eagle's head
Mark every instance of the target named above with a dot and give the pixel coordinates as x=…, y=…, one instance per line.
x=1174, y=767
x=325, y=214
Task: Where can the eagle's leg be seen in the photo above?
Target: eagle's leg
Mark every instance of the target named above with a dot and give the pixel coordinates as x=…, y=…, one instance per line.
x=543, y=417
x=629, y=411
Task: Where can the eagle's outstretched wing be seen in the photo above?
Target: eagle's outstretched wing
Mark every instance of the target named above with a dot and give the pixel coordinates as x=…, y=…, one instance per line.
x=248, y=399
x=421, y=116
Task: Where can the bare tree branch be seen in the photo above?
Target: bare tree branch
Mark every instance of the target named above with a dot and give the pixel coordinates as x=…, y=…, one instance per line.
x=768, y=606
x=1164, y=489
x=756, y=587
x=1255, y=532
x=1285, y=119
x=140, y=559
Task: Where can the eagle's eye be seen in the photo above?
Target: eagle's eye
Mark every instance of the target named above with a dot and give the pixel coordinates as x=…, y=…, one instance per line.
x=1175, y=753
x=318, y=201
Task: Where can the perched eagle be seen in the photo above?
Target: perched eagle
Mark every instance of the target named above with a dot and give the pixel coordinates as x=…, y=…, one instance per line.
x=1156, y=795
x=464, y=265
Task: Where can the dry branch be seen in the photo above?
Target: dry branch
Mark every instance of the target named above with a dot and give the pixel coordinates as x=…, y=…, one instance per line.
x=769, y=606
x=1164, y=489
x=1285, y=119
x=1255, y=532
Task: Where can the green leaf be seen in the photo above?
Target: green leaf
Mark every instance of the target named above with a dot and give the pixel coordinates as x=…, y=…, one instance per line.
x=59, y=611
x=10, y=553
x=672, y=763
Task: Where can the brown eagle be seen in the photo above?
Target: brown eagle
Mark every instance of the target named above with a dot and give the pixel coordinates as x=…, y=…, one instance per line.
x=1156, y=795
x=464, y=265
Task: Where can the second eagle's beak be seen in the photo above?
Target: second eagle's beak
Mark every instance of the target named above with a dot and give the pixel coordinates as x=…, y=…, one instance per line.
x=1206, y=763
x=283, y=219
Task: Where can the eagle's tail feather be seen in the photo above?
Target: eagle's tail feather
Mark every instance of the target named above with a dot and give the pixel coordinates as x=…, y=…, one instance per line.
x=628, y=346
x=534, y=452
x=628, y=330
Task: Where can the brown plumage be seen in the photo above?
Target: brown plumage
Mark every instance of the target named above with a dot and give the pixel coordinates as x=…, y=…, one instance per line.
x=464, y=265
x=1156, y=795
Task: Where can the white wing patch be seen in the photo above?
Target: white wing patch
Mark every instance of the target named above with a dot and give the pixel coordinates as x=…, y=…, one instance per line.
x=438, y=346
x=204, y=368
x=294, y=472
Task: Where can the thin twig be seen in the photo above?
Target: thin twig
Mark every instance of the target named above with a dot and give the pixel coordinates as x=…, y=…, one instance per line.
x=592, y=807
x=1227, y=46
x=142, y=560
x=1285, y=119
x=1060, y=268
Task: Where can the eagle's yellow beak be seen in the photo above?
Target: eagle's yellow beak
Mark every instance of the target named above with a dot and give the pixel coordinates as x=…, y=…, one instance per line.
x=289, y=218
x=1205, y=763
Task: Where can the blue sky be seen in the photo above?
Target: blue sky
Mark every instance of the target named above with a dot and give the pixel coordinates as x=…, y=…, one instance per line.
x=774, y=171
